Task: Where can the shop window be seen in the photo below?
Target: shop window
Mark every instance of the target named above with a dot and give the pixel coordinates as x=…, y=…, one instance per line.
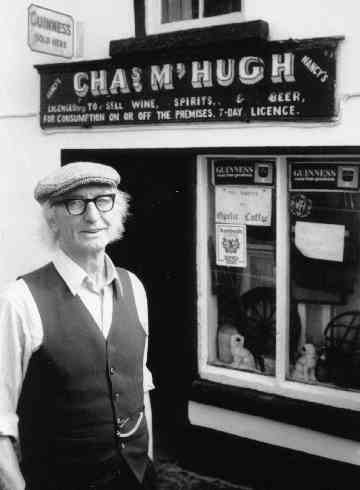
x=278, y=276
x=242, y=224
x=179, y=10
x=324, y=208
x=213, y=7
x=175, y=10
x=170, y=15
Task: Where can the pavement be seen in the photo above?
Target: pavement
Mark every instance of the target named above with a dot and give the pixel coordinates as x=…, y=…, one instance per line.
x=170, y=472
x=172, y=477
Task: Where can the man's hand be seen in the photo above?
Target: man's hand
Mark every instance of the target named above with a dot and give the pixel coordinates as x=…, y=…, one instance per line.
x=10, y=474
x=148, y=415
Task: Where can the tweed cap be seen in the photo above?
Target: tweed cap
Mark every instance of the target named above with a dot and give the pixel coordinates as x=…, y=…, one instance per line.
x=72, y=176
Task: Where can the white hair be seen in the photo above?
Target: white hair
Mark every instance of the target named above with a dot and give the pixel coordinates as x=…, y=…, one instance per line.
x=121, y=208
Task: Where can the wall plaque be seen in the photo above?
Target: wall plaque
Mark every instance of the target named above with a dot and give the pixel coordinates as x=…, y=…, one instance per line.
x=50, y=32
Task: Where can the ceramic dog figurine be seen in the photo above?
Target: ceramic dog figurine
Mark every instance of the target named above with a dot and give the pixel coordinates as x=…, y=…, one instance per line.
x=304, y=369
x=242, y=357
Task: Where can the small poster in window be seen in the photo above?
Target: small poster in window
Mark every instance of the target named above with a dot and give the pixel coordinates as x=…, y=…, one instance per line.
x=322, y=241
x=248, y=205
x=231, y=245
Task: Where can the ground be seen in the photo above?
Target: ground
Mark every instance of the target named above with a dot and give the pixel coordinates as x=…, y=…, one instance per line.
x=172, y=477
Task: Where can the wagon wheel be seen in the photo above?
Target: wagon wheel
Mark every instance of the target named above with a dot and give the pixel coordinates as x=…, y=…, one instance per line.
x=340, y=360
x=343, y=331
x=258, y=311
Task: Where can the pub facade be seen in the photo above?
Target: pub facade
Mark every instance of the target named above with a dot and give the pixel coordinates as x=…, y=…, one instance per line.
x=234, y=125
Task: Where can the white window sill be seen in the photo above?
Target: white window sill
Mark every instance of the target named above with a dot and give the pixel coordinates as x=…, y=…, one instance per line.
x=300, y=391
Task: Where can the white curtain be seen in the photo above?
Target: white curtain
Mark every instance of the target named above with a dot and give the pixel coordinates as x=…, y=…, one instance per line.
x=177, y=10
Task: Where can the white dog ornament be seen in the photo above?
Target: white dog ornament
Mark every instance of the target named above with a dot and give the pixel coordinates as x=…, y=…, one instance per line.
x=242, y=357
x=304, y=369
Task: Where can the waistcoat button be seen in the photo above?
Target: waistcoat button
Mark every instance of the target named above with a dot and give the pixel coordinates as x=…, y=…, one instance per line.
x=112, y=370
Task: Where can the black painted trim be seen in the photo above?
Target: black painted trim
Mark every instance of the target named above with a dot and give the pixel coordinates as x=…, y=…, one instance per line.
x=261, y=466
x=217, y=37
x=291, y=151
x=191, y=38
x=323, y=418
x=139, y=15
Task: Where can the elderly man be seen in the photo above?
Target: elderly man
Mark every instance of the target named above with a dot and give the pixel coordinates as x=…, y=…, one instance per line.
x=74, y=387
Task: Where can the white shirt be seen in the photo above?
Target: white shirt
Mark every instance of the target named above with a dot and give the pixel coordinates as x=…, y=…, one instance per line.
x=21, y=329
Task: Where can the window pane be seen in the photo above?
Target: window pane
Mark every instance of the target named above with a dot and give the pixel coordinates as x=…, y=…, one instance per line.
x=220, y=7
x=175, y=10
x=242, y=326
x=324, y=268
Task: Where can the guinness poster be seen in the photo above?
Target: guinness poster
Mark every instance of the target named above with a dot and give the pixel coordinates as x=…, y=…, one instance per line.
x=324, y=176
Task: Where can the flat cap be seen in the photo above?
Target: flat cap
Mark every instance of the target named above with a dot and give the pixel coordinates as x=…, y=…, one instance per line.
x=72, y=176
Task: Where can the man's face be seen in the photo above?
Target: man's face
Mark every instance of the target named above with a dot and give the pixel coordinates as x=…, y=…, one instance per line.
x=88, y=233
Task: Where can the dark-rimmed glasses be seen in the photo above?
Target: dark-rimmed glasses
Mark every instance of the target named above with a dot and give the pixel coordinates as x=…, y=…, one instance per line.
x=78, y=205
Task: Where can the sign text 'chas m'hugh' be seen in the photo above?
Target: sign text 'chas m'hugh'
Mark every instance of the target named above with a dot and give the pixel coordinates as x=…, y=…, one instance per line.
x=284, y=85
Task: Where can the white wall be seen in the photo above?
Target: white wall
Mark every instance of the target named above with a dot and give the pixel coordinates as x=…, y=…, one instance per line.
x=308, y=18
x=315, y=18
x=27, y=153
x=102, y=21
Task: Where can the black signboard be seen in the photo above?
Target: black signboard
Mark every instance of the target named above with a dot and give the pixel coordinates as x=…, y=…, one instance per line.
x=274, y=81
x=324, y=176
x=243, y=171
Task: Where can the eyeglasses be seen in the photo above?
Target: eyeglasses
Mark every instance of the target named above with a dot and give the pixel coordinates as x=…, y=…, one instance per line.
x=77, y=206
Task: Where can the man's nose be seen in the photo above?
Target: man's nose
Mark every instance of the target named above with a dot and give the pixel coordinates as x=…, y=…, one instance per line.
x=91, y=212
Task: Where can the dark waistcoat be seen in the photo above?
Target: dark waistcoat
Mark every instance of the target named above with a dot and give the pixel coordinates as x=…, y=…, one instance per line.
x=82, y=393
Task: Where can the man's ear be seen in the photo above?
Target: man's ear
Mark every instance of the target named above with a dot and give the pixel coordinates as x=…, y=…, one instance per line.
x=51, y=220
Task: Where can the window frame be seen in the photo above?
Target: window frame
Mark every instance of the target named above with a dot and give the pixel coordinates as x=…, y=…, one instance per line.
x=277, y=385
x=154, y=25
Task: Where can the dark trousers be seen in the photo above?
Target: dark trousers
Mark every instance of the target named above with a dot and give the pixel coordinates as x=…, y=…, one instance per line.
x=125, y=479
x=120, y=478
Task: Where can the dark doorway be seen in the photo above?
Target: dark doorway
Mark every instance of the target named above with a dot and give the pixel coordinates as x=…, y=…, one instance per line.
x=159, y=247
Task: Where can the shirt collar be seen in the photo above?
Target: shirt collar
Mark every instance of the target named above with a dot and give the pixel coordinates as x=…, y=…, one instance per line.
x=75, y=277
